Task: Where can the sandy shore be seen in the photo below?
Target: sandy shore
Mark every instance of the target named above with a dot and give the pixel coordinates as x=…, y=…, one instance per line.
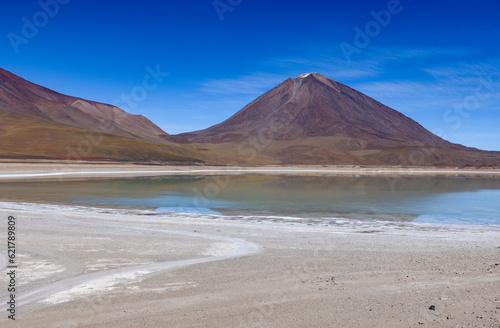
x=88, y=267
x=10, y=170
x=83, y=267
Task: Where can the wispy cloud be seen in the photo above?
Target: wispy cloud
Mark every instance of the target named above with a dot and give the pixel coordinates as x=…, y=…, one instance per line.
x=254, y=84
x=448, y=89
x=432, y=78
x=325, y=64
x=411, y=97
x=375, y=62
x=404, y=53
x=465, y=71
x=448, y=100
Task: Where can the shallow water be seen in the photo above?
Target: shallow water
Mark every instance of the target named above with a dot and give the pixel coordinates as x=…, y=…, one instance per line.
x=440, y=199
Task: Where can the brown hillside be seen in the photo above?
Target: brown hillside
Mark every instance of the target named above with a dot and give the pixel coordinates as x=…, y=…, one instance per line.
x=36, y=122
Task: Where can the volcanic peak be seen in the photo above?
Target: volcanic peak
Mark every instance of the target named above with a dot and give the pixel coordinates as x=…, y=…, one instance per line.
x=307, y=74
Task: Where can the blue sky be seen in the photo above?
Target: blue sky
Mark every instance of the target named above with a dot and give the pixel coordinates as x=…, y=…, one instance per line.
x=437, y=62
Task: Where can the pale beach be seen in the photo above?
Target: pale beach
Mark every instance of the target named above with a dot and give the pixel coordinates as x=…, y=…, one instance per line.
x=101, y=267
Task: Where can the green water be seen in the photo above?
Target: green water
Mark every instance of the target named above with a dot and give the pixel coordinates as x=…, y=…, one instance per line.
x=445, y=199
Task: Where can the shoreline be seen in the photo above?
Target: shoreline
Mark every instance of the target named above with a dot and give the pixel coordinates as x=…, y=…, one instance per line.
x=103, y=267
x=20, y=171
x=339, y=224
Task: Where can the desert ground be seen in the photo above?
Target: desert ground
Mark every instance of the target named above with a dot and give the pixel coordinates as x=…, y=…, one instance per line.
x=47, y=169
x=95, y=267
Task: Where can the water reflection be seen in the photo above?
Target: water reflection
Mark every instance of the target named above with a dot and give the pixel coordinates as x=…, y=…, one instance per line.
x=400, y=198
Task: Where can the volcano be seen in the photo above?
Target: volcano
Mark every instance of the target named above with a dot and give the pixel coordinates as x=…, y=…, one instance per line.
x=313, y=119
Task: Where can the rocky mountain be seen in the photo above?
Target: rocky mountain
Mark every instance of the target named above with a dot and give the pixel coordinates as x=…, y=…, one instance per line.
x=36, y=122
x=307, y=120
x=316, y=120
x=20, y=96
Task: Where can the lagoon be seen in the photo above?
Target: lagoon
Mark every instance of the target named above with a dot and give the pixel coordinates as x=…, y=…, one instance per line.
x=398, y=198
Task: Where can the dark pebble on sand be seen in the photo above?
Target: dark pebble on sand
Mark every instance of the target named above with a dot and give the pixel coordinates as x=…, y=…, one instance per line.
x=432, y=308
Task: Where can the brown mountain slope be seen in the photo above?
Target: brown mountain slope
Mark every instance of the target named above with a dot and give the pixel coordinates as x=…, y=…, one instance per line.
x=22, y=97
x=36, y=122
x=315, y=120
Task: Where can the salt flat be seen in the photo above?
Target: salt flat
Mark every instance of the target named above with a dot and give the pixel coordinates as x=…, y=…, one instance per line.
x=128, y=268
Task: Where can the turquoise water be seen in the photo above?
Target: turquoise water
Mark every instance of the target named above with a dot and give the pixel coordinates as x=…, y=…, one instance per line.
x=438, y=199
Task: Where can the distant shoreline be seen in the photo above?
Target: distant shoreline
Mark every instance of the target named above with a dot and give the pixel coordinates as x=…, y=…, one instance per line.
x=50, y=170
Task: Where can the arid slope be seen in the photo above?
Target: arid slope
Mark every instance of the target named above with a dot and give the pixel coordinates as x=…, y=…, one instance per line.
x=36, y=122
x=316, y=120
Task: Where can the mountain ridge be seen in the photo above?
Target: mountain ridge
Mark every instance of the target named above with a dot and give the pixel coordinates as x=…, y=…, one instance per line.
x=37, y=122
x=32, y=99
x=310, y=119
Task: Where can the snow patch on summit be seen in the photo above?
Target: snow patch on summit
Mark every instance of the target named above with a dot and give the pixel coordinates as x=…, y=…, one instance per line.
x=305, y=75
x=312, y=73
